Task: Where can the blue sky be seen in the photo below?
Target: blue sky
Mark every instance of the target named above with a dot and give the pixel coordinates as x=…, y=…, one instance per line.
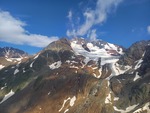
x=31, y=25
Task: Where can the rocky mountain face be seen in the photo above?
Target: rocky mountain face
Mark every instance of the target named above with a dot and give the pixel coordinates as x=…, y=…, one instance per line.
x=10, y=56
x=134, y=53
x=10, y=52
x=79, y=76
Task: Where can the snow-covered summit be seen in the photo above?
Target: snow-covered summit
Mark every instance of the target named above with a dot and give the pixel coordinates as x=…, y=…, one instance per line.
x=92, y=50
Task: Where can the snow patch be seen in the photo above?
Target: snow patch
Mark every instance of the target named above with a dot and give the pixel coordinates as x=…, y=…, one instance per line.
x=68, y=61
x=6, y=70
x=64, y=104
x=116, y=98
x=36, y=56
x=16, y=59
x=128, y=109
x=138, y=65
x=7, y=96
x=13, y=59
x=118, y=80
x=31, y=65
x=9, y=60
x=108, y=99
x=145, y=107
x=86, y=60
x=95, y=68
x=121, y=51
x=49, y=93
x=121, y=71
x=73, y=99
x=74, y=67
x=94, y=75
x=1, y=67
x=106, y=46
x=4, y=86
x=115, y=67
x=71, y=62
x=24, y=70
x=112, y=46
x=115, y=70
x=16, y=71
x=55, y=65
x=100, y=72
x=109, y=60
x=136, y=77
x=66, y=110
x=13, y=67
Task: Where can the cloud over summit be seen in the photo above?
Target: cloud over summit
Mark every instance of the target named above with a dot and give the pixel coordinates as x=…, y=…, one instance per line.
x=95, y=16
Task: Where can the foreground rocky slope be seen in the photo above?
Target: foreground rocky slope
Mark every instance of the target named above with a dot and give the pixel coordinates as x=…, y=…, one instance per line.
x=79, y=76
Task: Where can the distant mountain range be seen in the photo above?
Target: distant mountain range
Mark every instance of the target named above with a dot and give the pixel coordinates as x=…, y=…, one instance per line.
x=9, y=56
x=10, y=52
x=76, y=76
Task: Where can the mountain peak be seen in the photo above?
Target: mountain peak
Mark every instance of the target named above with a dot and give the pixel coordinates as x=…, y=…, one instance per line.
x=134, y=52
x=10, y=52
x=59, y=45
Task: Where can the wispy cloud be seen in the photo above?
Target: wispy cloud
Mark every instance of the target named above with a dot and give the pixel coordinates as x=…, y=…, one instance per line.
x=70, y=15
x=95, y=16
x=148, y=29
x=92, y=35
x=12, y=31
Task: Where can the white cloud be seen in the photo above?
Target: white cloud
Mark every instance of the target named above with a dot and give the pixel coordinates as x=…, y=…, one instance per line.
x=148, y=29
x=71, y=33
x=103, y=8
x=12, y=31
x=70, y=15
x=92, y=35
x=89, y=21
x=95, y=16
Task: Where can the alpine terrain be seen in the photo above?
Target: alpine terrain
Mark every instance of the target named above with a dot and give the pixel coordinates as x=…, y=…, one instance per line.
x=9, y=56
x=76, y=76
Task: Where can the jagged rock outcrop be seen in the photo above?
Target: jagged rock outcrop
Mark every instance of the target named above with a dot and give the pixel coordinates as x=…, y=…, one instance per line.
x=133, y=53
x=134, y=88
x=145, y=67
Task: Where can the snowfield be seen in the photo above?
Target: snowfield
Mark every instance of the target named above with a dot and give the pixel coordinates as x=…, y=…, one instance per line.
x=128, y=109
x=94, y=54
x=102, y=53
x=55, y=65
x=72, y=101
x=136, y=77
x=16, y=71
x=1, y=67
x=11, y=93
